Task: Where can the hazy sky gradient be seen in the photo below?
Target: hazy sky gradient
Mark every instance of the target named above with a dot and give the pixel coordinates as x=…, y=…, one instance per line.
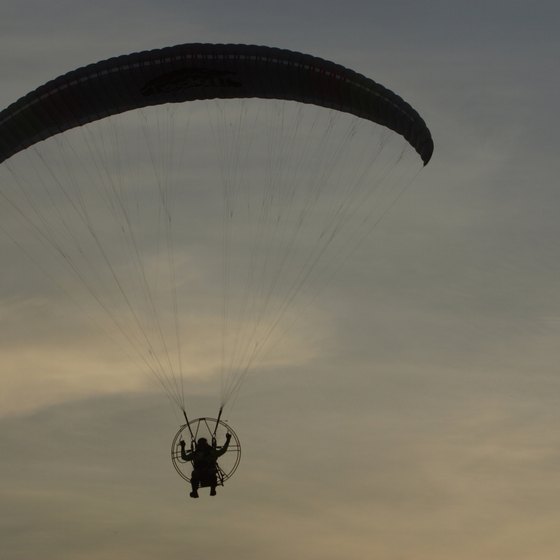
x=421, y=420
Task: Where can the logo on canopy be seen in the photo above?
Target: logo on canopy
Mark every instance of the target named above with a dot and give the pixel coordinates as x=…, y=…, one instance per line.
x=188, y=78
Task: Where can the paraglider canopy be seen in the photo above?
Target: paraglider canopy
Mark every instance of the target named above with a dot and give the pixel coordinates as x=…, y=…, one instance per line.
x=202, y=71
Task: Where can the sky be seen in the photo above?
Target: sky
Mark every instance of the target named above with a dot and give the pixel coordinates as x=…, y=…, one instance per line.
x=414, y=414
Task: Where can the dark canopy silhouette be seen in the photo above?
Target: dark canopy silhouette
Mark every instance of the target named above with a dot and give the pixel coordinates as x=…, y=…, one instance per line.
x=202, y=71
